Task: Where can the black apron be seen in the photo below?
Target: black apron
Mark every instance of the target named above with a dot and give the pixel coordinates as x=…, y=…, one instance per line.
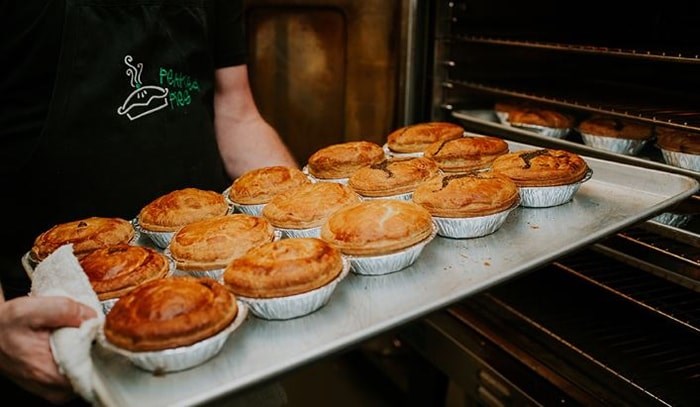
x=131, y=116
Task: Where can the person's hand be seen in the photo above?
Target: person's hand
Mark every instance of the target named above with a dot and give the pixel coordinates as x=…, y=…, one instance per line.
x=25, y=355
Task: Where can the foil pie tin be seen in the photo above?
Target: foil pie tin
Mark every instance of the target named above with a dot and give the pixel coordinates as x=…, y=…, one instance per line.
x=389, y=263
x=308, y=232
x=614, y=144
x=502, y=117
x=294, y=306
x=545, y=131
x=543, y=197
x=472, y=227
x=183, y=357
x=160, y=239
x=682, y=160
x=216, y=274
x=408, y=196
x=305, y=170
x=254, y=210
x=389, y=153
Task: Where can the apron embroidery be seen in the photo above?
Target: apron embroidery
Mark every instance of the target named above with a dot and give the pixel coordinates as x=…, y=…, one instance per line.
x=182, y=85
x=143, y=100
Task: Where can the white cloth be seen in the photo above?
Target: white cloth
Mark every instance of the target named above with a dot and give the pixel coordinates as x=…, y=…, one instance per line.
x=60, y=274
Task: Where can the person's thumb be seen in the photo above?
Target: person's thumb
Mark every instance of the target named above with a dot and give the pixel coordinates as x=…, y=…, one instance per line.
x=56, y=312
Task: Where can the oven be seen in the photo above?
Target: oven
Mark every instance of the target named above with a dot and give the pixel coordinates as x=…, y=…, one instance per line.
x=618, y=322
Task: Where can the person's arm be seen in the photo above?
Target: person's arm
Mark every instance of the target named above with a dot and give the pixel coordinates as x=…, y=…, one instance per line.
x=26, y=324
x=246, y=141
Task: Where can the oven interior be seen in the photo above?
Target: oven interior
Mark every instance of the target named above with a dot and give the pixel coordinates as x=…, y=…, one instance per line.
x=618, y=322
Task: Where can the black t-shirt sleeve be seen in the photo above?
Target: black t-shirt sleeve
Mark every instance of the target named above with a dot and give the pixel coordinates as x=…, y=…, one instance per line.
x=229, y=36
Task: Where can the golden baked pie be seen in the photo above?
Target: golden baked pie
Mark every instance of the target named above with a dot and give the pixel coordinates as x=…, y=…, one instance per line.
x=212, y=243
x=378, y=226
x=392, y=177
x=614, y=127
x=86, y=235
x=258, y=186
x=343, y=159
x=283, y=268
x=504, y=107
x=467, y=194
x=169, y=313
x=678, y=140
x=416, y=137
x=466, y=153
x=540, y=117
x=115, y=270
x=308, y=206
x=175, y=209
x=541, y=167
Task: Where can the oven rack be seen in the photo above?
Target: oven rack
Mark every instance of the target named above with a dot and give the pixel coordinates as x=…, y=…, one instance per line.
x=665, y=55
x=597, y=97
x=645, y=290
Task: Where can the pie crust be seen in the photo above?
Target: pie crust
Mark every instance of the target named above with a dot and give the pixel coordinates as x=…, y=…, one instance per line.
x=377, y=227
x=175, y=209
x=283, y=268
x=169, y=313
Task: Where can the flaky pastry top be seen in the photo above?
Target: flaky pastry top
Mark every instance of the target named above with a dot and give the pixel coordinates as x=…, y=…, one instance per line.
x=377, y=227
x=283, y=268
x=540, y=117
x=258, y=186
x=308, y=206
x=115, y=270
x=175, y=209
x=467, y=194
x=343, y=159
x=678, y=140
x=614, y=127
x=212, y=243
x=392, y=177
x=541, y=167
x=85, y=235
x=466, y=153
x=169, y=313
x=416, y=137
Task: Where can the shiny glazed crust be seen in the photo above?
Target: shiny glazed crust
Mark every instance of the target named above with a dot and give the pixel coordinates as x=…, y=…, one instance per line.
x=168, y=313
x=613, y=127
x=416, y=137
x=258, y=186
x=392, y=177
x=678, y=140
x=308, y=206
x=541, y=167
x=212, y=243
x=541, y=117
x=466, y=153
x=467, y=194
x=341, y=160
x=282, y=268
x=86, y=235
x=376, y=227
x=115, y=270
x=175, y=209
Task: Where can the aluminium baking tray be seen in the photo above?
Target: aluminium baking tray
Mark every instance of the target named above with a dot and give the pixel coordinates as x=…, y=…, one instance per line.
x=448, y=270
